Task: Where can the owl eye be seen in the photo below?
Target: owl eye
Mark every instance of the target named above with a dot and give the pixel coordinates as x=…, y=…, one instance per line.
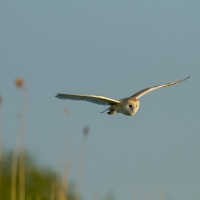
x=136, y=106
x=130, y=106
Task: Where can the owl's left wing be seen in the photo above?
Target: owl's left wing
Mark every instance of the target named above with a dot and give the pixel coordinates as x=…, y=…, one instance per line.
x=101, y=100
x=145, y=91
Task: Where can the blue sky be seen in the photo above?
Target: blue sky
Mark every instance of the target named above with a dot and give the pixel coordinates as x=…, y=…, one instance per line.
x=114, y=49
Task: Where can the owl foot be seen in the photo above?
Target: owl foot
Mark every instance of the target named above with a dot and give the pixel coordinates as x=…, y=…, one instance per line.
x=111, y=112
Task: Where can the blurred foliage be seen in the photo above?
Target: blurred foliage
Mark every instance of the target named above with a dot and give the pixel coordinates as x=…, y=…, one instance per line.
x=110, y=196
x=40, y=182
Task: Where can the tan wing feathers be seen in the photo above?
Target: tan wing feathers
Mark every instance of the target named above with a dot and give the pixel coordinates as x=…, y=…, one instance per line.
x=101, y=100
x=145, y=91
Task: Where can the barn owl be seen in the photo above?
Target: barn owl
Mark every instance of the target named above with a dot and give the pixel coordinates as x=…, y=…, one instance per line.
x=127, y=106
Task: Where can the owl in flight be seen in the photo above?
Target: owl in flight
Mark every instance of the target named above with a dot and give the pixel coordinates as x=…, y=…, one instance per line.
x=126, y=106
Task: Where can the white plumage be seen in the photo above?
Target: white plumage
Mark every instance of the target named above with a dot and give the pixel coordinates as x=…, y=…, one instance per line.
x=126, y=106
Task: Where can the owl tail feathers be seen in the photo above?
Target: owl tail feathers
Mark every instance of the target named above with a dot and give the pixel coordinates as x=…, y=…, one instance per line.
x=111, y=111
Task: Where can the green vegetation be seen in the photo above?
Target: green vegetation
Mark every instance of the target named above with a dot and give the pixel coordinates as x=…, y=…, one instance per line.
x=41, y=182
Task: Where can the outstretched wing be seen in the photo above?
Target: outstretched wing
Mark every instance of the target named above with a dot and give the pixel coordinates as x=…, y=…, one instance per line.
x=91, y=98
x=145, y=91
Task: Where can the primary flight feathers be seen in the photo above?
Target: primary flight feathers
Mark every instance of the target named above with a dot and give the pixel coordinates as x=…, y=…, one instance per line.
x=127, y=106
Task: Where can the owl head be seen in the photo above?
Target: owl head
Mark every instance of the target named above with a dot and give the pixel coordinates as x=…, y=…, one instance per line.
x=131, y=106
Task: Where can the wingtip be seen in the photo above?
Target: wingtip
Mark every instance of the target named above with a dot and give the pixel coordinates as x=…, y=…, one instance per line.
x=57, y=95
x=186, y=78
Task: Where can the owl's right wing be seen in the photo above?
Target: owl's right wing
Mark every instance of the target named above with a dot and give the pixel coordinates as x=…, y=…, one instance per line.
x=145, y=91
x=101, y=100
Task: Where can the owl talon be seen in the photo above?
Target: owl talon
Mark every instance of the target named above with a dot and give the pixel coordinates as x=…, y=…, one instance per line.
x=110, y=112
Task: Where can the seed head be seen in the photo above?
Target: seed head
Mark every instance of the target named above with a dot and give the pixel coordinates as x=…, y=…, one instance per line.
x=66, y=111
x=85, y=130
x=19, y=82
